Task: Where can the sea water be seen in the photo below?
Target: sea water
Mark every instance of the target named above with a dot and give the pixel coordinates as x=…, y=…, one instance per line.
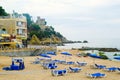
x=93, y=45
x=99, y=44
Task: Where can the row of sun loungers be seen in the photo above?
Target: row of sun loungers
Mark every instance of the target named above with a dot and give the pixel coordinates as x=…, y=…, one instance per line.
x=110, y=69
x=79, y=64
x=65, y=71
x=76, y=70
x=70, y=62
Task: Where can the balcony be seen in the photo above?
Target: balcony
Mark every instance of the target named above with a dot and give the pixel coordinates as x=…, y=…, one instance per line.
x=21, y=36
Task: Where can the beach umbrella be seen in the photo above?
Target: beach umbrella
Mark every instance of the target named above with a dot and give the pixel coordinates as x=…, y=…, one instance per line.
x=117, y=57
x=66, y=54
x=45, y=55
x=51, y=53
x=94, y=55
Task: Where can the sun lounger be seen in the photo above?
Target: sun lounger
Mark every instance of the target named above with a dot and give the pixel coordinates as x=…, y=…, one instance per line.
x=118, y=70
x=100, y=66
x=56, y=61
x=95, y=75
x=62, y=62
x=70, y=62
x=81, y=63
x=59, y=72
x=74, y=70
x=37, y=61
x=111, y=69
x=49, y=65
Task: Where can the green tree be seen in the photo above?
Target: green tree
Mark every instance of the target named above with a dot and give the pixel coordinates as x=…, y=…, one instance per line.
x=2, y=12
x=29, y=19
x=34, y=27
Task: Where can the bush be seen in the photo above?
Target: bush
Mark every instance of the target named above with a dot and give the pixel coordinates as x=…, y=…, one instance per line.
x=116, y=54
x=102, y=55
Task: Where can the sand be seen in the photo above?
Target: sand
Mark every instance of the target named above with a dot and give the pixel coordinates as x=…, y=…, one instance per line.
x=36, y=71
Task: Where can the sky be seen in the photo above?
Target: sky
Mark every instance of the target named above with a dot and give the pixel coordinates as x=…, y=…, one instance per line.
x=74, y=19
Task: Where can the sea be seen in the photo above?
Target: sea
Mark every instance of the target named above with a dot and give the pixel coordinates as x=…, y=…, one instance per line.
x=96, y=44
x=114, y=43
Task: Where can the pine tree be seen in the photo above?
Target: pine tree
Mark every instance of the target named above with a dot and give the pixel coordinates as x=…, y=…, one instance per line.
x=2, y=12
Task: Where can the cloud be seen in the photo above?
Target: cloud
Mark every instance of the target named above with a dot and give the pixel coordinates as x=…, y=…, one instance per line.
x=73, y=18
x=113, y=21
x=55, y=7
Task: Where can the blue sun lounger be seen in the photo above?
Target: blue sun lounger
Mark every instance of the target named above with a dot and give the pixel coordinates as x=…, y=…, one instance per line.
x=118, y=69
x=49, y=65
x=74, y=70
x=70, y=62
x=96, y=75
x=59, y=72
x=81, y=63
x=111, y=69
x=100, y=66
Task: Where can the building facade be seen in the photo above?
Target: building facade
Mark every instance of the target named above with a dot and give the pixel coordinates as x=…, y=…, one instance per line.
x=15, y=25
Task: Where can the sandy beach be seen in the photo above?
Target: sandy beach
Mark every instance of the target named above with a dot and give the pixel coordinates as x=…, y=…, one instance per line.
x=36, y=71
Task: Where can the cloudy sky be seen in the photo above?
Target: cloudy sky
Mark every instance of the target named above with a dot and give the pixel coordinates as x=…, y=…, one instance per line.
x=75, y=19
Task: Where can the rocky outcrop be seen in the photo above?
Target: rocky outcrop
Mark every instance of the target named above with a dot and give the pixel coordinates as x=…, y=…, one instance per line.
x=109, y=49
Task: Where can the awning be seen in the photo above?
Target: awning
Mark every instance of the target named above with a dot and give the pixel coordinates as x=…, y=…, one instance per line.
x=5, y=35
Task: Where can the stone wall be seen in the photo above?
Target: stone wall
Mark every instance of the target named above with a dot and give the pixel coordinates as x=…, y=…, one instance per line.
x=19, y=53
x=27, y=52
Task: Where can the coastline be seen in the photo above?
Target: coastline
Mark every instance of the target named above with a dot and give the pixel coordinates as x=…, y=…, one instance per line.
x=99, y=49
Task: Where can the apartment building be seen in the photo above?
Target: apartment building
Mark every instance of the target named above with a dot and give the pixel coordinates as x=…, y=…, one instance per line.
x=16, y=25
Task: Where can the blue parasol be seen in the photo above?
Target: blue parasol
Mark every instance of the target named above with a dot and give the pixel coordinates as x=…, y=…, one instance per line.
x=45, y=55
x=117, y=57
x=66, y=53
x=94, y=55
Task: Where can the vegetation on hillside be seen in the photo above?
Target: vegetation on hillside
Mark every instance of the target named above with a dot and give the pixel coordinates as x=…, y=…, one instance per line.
x=46, y=36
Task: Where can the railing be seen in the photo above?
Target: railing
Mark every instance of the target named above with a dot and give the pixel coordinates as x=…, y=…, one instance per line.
x=4, y=17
